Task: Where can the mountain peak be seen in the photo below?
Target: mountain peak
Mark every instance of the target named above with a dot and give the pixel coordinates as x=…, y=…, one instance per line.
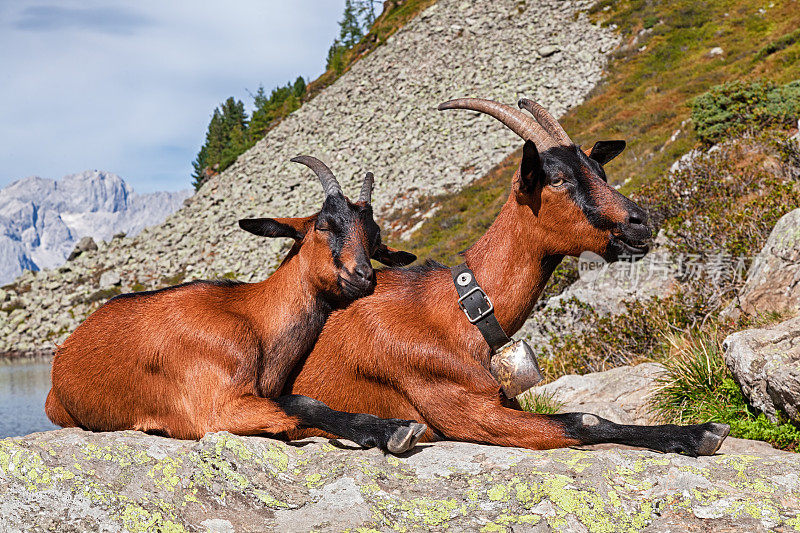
x=41, y=219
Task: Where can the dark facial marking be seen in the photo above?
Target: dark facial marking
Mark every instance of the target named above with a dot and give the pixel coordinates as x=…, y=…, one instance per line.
x=578, y=172
x=342, y=220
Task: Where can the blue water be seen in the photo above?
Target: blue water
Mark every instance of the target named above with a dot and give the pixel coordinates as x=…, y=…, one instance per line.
x=23, y=389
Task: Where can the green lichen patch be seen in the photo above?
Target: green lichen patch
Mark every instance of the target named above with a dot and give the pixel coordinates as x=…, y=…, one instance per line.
x=138, y=482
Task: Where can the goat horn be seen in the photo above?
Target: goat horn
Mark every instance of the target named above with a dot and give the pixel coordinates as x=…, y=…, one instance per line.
x=548, y=122
x=513, y=119
x=329, y=183
x=366, y=189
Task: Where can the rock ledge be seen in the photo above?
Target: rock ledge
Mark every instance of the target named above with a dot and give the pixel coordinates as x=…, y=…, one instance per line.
x=71, y=480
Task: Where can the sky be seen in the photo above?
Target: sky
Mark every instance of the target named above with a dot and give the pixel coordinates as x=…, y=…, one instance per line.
x=129, y=86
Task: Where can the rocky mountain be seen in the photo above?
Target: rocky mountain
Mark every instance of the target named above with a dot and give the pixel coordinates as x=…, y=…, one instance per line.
x=379, y=116
x=42, y=219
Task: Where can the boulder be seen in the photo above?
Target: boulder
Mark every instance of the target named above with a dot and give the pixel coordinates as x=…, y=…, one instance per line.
x=773, y=281
x=109, y=278
x=603, y=288
x=608, y=287
x=619, y=394
x=71, y=480
x=86, y=244
x=766, y=364
x=548, y=50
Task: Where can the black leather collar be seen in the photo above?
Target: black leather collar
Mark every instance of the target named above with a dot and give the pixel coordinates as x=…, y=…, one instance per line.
x=478, y=307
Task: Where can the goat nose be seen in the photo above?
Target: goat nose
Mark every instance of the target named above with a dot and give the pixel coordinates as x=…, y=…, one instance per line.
x=363, y=272
x=637, y=217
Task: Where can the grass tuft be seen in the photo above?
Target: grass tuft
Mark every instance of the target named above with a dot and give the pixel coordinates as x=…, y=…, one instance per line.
x=697, y=387
x=543, y=403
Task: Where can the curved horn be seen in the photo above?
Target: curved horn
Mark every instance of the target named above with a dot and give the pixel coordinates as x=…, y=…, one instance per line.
x=326, y=177
x=513, y=119
x=366, y=189
x=547, y=121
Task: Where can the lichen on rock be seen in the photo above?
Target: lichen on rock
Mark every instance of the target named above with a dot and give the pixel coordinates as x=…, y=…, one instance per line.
x=71, y=480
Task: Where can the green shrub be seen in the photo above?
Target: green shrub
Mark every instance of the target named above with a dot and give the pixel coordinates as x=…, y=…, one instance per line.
x=723, y=207
x=650, y=21
x=697, y=387
x=609, y=341
x=731, y=108
x=13, y=305
x=781, y=43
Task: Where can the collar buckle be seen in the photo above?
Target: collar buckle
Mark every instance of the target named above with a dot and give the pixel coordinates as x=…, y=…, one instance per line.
x=481, y=312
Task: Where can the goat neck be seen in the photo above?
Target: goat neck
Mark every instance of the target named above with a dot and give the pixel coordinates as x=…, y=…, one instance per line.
x=511, y=264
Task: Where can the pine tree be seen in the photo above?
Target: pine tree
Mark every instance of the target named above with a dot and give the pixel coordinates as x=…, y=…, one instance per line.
x=350, y=30
x=358, y=17
x=299, y=87
x=366, y=12
x=262, y=114
x=226, y=138
x=281, y=101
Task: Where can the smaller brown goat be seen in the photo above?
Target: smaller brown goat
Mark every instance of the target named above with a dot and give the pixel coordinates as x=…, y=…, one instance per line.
x=209, y=355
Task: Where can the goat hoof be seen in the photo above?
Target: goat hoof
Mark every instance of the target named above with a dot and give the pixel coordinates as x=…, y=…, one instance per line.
x=406, y=438
x=712, y=438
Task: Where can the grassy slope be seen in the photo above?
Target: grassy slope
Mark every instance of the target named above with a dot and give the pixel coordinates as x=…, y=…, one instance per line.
x=644, y=99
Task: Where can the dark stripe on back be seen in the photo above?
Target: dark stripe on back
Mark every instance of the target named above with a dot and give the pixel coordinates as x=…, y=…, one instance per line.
x=213, y=282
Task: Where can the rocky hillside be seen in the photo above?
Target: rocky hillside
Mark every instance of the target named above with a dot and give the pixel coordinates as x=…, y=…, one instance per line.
x=379, y=116
x=70, y=480
x=42, y=219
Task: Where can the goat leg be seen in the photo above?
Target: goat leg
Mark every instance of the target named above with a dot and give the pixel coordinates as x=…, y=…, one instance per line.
x=390, y=434
x=694, y=440
x=477, y=414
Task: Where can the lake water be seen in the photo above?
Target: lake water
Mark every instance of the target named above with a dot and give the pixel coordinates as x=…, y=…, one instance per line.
x=23, y=389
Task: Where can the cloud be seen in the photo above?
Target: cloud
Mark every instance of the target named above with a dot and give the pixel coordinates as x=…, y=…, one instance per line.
x=130, y=89
x=113, y=20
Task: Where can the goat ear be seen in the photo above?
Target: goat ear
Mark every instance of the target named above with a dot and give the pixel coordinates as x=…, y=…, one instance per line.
x=531, y=172
x=605, y=151
x=294, y=228
x=393, y=258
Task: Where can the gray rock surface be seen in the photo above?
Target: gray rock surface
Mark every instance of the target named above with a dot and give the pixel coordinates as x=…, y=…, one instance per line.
x=773, y=281
x=619, y=394
x=622, y=395
x=71, y=480
x=379, y=116
x=766, y=364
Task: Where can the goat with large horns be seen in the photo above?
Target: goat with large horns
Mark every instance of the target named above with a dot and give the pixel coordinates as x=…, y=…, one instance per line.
x=408, y=350
x=214, y=356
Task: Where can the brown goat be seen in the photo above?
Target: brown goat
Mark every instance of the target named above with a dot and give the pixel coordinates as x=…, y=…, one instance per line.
x=408, y=351
x=208, y=356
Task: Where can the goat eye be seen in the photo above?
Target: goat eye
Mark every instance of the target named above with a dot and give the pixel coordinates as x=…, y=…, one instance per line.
x=558, y=182
x=323, y=227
